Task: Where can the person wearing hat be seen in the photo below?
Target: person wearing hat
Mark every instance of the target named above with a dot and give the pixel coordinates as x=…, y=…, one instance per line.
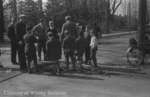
x=40, y=31
x=30, y=49
x=13, y=41
x=70, y=26
x=20, y=32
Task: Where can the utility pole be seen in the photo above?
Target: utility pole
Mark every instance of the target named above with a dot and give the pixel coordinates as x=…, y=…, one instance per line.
x=1, y=21
x=142, y=23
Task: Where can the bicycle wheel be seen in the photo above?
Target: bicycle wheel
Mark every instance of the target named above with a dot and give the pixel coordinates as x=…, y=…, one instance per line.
x=135, y=57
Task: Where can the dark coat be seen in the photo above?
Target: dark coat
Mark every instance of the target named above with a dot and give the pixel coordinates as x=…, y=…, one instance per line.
x=11, y=33
x=40, y=31
x=70, y=27
x=68, y=44
x=80, y=45
x=53, y=49
x=87, y=38
x=54, y=32
x=20, y=30
x=30, y=48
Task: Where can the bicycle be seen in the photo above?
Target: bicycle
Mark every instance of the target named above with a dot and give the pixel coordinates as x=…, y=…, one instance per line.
x=136, y=56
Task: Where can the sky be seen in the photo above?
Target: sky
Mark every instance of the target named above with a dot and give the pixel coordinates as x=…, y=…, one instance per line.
x=43, y=0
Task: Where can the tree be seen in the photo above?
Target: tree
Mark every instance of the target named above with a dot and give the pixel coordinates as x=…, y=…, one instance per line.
x=14, y=10
x=107, y=16
x=111, y=8
x=40, y=5
x=69, y=5
x=114, y=5
x=142, y=23
x=30, y=8
x=1, y=21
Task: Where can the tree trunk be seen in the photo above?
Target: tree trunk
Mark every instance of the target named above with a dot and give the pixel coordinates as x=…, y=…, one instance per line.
x=107, y=16
x=69, y=6
x=1, y=21
x=14, y=11
x=142, y=23
x=40, y=3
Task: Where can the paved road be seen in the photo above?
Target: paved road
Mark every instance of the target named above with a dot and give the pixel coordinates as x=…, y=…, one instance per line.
x=51, y=86
x=82, y=85
x=113, y=50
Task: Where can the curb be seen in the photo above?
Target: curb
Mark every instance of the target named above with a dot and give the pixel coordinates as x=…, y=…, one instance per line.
x=118, y=34
x=10, y=77
x=122, y=69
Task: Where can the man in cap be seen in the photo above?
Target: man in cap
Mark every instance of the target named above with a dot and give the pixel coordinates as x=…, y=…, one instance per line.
x=20, y=32
x=69, y=26
x=13, y=40
x=40, y=31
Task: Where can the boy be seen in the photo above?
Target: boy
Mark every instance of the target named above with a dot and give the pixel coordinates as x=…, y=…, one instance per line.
x=53, y=49
x=87, y=44
x=40, y=31
x=93, y=47
x=30, y=49
x=69, y=48
x=80, y=47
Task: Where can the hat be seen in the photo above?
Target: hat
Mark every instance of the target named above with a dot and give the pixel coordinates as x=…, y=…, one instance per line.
x=22, y=16
x=68, y=18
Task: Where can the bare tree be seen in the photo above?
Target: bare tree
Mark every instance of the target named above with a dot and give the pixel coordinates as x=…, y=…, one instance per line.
x=111, y=8
x=114, y=5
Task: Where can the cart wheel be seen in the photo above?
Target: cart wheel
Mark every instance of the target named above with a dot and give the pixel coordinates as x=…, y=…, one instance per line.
x=135, y=57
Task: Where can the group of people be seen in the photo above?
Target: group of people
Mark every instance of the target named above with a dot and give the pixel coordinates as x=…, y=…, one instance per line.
x=74, y=41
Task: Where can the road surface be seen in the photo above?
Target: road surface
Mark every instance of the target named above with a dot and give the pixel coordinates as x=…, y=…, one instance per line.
x=111, y=51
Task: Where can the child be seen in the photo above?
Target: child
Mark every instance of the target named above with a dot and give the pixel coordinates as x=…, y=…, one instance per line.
x=30, y=49
x=53, y=50
x=87, y=44
x=93, y=46
x=69, y=48
x=80, y=47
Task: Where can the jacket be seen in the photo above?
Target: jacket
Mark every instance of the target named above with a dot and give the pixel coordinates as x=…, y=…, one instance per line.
x=53, y=49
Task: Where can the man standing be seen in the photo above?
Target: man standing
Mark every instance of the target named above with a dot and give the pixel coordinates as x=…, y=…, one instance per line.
x=40, y=31
x=69, y=26
x=20, y=32
x=13, y=40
